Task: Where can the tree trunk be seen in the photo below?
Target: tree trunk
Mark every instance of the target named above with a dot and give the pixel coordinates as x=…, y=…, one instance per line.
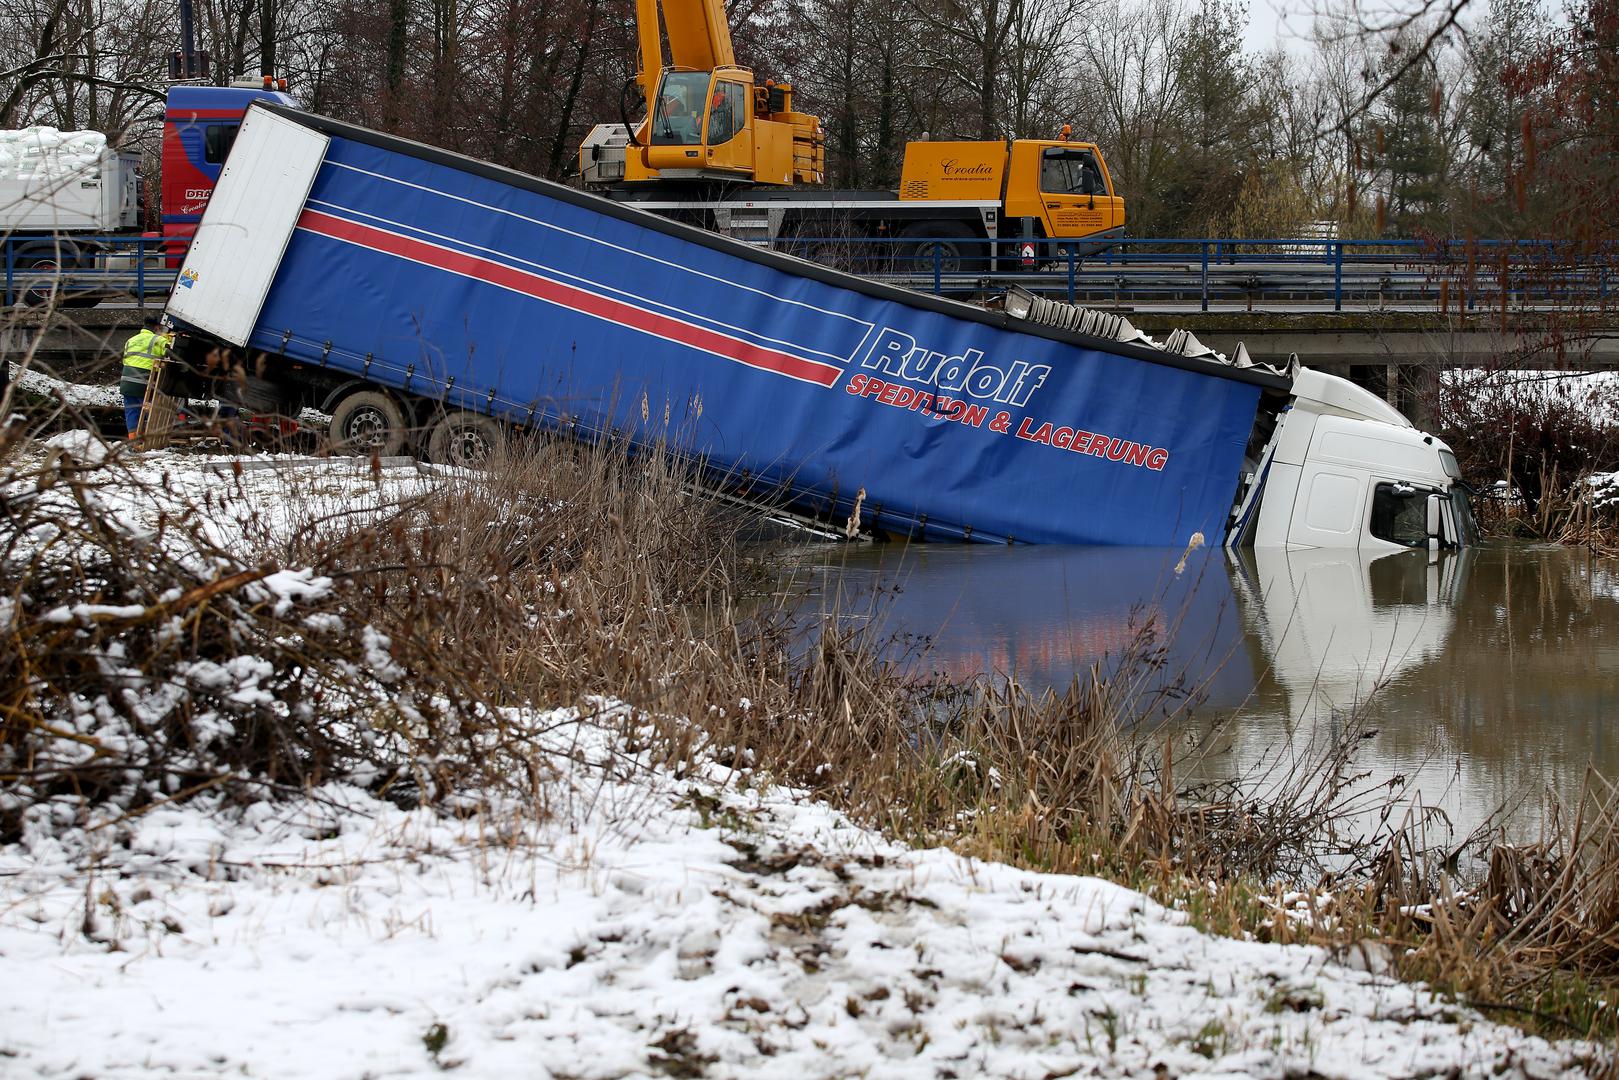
x=886, y=174
x=560, y=142
x=398, y=42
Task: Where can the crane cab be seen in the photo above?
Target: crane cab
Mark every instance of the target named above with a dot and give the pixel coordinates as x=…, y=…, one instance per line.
x=705, y=121
x=713, y=126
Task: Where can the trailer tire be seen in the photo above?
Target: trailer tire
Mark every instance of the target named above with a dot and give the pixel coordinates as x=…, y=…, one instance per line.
x=368, y=422
x=465, y=440
x=960, y=251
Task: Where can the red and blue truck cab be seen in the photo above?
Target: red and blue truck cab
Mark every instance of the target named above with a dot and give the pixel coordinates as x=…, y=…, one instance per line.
x=199, y=126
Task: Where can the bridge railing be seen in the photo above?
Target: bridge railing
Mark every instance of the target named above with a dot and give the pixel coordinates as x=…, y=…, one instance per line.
x=1175, y=273
x=79, y=271
x=1209, y=273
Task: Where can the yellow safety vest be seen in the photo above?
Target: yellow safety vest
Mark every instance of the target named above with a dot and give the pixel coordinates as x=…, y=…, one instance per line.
x=143, y=348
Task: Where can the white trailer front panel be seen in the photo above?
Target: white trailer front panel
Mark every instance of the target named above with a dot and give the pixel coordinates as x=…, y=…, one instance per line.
x=238, y=245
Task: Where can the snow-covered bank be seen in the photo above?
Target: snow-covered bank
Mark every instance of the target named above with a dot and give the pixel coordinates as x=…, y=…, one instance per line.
x=74, y=395
x=649, y=925
x=165, y=910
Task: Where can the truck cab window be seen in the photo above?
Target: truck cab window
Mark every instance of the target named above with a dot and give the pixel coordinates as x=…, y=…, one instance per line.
x=1400, y=514
x=677, y=115
x=217, y=140
x=1065, y=171
x=726, y=112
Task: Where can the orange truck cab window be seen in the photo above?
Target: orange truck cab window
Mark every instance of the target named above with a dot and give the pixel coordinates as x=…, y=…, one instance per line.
x=678, y=113
x=1076, y=198
x=727, y=112
x=1071, y=172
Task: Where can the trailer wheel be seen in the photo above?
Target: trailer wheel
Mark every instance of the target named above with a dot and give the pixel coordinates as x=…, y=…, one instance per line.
x=368, y=422
x=465, y=440
x=959, y=251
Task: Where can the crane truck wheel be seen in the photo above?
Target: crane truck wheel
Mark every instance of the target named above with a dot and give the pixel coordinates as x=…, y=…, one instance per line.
x=368, y=422
x=958, y=249
x=465, y=440
x=43, y=290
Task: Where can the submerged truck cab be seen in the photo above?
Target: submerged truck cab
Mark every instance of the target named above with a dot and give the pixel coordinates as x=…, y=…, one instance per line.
x=1346, y=469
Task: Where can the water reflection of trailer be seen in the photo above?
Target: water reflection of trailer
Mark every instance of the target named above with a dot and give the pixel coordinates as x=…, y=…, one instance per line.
x=1280, y=632
x=1046, y=615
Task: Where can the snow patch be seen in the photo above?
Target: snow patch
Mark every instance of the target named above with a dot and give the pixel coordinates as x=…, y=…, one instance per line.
x=649, y=925
x=86, y=446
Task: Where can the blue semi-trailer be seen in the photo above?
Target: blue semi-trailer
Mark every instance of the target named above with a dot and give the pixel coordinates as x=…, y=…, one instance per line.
x=420, y=295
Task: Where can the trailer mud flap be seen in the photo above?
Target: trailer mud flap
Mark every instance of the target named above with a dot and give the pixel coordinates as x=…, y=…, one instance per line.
x=244, y=230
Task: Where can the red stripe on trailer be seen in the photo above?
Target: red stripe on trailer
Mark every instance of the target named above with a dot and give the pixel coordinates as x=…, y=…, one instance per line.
x=569, y=296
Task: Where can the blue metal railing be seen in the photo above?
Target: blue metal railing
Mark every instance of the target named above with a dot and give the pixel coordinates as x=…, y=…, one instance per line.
x=1279, y=273
x=73, y=270
x=1175, y=273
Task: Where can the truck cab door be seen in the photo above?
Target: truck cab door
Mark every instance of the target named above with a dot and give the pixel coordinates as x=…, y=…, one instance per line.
x=1076, y=193
x=728, y=144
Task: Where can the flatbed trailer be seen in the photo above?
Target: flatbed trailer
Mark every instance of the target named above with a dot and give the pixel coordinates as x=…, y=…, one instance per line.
x=803, y=220
x=336, y=264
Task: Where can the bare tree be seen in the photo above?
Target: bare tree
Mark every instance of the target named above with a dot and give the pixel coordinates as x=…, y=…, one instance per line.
x=967, y=43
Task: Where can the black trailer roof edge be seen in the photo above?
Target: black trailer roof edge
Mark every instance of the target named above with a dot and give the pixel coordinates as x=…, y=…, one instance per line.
x=627, y=212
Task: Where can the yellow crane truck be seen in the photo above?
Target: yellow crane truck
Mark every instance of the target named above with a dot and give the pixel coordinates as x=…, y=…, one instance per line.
x=717, y=150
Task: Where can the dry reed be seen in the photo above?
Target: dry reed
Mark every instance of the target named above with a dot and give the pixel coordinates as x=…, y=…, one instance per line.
x=568, y=573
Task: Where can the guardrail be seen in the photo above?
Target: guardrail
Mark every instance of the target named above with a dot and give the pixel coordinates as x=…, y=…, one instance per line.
x=1278, y=273
x=1175, y=273
x=80, y=271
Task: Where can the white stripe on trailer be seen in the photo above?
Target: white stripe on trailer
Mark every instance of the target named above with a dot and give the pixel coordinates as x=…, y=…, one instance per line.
x=244, y=230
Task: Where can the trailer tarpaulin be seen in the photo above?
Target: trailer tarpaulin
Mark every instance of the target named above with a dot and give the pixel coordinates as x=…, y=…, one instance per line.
x=453, y=281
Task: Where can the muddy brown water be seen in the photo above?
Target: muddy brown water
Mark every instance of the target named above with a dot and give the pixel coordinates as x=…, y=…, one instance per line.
x=1490, y=676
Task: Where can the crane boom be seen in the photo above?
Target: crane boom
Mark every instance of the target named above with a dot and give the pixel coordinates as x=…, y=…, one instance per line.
x=699, y=37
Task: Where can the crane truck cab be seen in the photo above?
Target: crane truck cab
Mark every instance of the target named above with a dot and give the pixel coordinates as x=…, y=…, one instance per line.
x=1047, y=189
x=706, y=128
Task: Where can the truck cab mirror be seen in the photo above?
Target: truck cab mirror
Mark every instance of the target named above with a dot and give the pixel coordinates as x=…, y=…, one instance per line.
x=1436, y=521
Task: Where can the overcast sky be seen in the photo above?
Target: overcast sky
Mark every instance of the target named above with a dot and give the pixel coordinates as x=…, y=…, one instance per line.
x=1273, y=22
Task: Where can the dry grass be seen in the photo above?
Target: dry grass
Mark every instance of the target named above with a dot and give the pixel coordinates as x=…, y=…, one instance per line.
x=1542, y=434
x=1574, y=513
x=568, y=572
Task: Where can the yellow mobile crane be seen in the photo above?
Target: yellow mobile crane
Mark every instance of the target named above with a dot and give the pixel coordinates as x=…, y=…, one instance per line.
x=707, y=121
x=719, y=151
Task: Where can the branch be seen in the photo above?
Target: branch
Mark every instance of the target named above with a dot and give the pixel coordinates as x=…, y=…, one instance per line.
x=36, y=63
x=1453, y=11
x=31, y=79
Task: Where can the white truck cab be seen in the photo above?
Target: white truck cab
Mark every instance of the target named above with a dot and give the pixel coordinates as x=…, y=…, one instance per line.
x=1344, y=469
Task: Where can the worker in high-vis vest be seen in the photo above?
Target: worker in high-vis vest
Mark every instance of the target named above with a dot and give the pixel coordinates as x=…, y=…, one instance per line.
x=147, y=345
